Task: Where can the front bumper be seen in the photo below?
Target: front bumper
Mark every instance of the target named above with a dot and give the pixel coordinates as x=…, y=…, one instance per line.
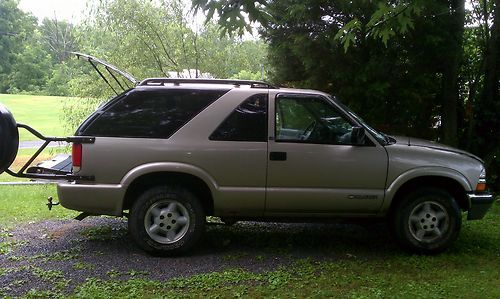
x=479, y=205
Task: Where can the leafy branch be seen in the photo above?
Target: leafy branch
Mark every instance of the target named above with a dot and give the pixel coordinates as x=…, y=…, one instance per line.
x=384, y=23
x=234, y=15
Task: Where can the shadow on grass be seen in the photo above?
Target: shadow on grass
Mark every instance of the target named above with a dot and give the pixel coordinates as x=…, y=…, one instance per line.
x=296, y=240
x=301, y=239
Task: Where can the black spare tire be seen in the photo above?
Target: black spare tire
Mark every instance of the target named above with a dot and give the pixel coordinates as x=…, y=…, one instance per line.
x=9, y=138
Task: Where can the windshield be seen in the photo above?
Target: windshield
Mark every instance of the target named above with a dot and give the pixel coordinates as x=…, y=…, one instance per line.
x=382, y=138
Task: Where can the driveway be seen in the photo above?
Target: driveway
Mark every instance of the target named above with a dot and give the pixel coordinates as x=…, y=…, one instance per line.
x=38, y=143
x=58, y=255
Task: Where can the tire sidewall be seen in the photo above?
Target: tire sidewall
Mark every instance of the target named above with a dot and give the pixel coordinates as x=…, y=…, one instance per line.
x=154, y=195
x=402, y=213
x=9, y=138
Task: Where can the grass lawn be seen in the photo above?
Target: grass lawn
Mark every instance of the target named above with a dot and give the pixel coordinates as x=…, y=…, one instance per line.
x=40, y=112
x=22, y=204
x=470, y=269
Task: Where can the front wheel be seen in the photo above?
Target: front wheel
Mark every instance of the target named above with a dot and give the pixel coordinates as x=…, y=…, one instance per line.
x=166, y=220
x=427, y=221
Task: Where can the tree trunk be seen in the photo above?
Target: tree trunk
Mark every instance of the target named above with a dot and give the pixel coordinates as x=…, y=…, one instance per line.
x=452, y=62
x=488, y=121
x=492, y=67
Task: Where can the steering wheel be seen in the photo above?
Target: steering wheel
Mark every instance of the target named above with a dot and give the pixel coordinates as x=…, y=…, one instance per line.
x=307, y=132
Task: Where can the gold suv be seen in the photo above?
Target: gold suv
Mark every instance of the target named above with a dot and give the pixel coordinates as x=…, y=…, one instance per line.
x=169, y=152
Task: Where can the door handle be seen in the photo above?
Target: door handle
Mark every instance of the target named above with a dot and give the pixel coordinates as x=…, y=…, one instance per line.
x=277, y=156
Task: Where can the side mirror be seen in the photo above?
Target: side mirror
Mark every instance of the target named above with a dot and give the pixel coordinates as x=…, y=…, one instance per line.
x=358, y=136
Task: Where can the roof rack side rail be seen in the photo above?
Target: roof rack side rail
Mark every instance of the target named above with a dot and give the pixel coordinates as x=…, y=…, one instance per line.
x=178, y=81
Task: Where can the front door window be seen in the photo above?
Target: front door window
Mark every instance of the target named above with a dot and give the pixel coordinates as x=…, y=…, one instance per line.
x=310, y=120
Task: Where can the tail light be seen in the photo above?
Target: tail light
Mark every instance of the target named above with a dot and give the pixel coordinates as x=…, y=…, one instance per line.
x=76, y=155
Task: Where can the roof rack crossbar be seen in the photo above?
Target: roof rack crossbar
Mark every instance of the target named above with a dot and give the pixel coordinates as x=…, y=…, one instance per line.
x=177, y=81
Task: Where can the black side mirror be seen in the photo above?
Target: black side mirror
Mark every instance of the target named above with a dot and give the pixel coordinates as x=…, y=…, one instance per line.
x=358, y=136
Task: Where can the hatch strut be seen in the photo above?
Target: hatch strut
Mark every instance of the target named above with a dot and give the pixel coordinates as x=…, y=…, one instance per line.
x=110, y=69
x=104, y=78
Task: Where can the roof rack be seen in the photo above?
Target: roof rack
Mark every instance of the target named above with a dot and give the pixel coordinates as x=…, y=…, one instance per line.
x=178, y=81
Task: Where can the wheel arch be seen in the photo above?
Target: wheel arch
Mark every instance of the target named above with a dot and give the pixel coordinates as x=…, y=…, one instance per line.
x=450, y=185
x=189, y=181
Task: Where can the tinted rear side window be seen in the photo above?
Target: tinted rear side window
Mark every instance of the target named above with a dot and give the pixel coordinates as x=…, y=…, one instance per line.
x=248, y=122
x=151, y=113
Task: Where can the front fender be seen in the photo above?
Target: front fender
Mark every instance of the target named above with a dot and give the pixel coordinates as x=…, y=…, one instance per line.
x=426, y=171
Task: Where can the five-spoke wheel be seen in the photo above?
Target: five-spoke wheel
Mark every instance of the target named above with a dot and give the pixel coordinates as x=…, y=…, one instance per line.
x=166, y=220
x=426, y=220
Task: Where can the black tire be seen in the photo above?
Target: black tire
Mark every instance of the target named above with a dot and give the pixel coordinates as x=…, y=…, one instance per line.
x=9, y=138
x=160, y=228
x=426, y=221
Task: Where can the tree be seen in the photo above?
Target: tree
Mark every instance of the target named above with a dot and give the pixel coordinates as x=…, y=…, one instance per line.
x=394, y=86
x=451, y=63
x=32, y=67
x=15, y=27
x=482, y=73
x=152, y=39
x=423, y=68
x=58, y=37
x=235, y=15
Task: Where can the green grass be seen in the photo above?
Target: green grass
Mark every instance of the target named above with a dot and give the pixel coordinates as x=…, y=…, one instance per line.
x=22, y=204
x=40, y=112
x=471, y=269
x=351, y=269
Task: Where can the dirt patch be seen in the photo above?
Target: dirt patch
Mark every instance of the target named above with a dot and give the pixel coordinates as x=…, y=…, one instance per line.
x=59, y=255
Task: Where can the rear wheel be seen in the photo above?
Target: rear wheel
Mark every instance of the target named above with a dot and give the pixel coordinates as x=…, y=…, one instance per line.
x=166, y=220
x=427, y=221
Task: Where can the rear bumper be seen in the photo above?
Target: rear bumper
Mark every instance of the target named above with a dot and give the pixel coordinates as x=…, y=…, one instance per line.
x=479, y=205
x=99, y=199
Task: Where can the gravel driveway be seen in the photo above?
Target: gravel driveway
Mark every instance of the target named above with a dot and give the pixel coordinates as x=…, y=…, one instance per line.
x=59, y=255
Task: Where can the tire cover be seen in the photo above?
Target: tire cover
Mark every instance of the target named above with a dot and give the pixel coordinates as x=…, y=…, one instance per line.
x=9, y=138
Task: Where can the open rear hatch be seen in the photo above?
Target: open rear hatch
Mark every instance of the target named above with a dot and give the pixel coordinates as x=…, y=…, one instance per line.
x=127, y=81
x=59, y=167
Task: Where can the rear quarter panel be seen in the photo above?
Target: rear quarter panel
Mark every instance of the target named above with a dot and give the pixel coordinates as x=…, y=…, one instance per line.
x=220, y=164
